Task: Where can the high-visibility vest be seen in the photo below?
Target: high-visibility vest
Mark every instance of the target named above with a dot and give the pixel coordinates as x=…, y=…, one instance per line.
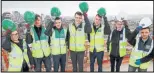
x=40, y=48
x=138, y=54
x=58, y=44
x=16, y=57
x=97, y=40
x=77, y=38
x=122, y=44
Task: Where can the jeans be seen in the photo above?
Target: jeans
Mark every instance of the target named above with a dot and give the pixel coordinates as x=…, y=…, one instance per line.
x=45, y=60
x=133, y=69
x=77, y=57
x=93, y=56
x=118, y=61
x=59, y=60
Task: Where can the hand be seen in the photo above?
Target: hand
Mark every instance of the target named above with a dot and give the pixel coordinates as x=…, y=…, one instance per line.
x=125, y=23
x=28, y=27
x=138, y=62
x=8, y=32
x=139, y=28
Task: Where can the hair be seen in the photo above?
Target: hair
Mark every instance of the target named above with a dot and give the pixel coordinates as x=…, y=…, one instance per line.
x=36, y=16
x=146, y=28
x=57, y=18
x=78, y=13
x=98, y=15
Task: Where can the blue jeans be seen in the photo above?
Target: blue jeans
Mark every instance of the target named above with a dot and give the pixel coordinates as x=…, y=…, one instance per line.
x=93, y=56
x=45, y=60
x=59, y=60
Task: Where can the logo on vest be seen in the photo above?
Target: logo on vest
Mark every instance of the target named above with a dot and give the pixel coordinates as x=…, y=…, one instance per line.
x=147, y=47
x=79, y=29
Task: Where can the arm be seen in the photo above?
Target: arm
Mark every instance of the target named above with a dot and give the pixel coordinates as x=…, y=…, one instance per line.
x=108, y=43
x=48, y=30
x=128, y=32
x=132, y=37
x=148, y=57
x=107, y=29
x=31, y=59
x=7, y=43
x=88, y=37
x=87, y=27
x=67, y=38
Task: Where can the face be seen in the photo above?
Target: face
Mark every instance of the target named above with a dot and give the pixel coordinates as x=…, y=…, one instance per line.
x=97, y=20
x=14, y=36
x=58, y=23
x=38, y=22
x=119, y=26
x=145, y=33
x=78, y=19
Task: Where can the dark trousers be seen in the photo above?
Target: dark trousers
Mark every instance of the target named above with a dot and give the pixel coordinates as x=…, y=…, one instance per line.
x=45, y=60
x=59, y=59
x=77, y=57
x=133, y=69
x=118, y=61
x=25, y=67
x=99, y=56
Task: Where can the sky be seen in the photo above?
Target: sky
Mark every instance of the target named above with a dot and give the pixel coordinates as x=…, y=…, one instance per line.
x=68, y=8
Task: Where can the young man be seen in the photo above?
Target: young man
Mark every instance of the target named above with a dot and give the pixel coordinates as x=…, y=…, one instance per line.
x=17, y=49
x=97, y=41
x=38, y=43
x=143, y=45
x=76, y=35
x=146, y=58
x=58, y=45
x=117, y=43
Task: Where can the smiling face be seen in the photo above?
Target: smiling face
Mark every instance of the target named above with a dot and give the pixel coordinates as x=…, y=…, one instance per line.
x=14, y=36
x=119, y=25
x=97, y=20
x=78, y=18
x=145, y=32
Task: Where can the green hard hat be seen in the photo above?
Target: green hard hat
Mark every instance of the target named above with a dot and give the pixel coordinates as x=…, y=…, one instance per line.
x=101, y=11
x=55, y=12
x=29, y=17
x=8, y=24
x=84, y=7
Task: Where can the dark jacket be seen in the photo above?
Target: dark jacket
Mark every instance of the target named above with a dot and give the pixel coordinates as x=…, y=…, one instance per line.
x=87, y=28
x=115, y=40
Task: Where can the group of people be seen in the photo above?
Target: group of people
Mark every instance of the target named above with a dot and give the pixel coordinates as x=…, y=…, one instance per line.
x=42, y=42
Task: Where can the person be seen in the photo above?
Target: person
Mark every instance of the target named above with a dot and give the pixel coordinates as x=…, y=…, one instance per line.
x=146, y=58
x=58, y=44
x=143, y=45
x=38, y=43
x=76, y=36
x=117, y=42
x=17, y=49
x=97, y=41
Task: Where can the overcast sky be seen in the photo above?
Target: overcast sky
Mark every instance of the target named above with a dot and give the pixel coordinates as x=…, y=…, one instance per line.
x=68, y=8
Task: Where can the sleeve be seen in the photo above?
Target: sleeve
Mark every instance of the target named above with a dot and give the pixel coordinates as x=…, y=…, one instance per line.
x=29, y=38
x=31, y=58
x=132, y=37
x=7, y=43
x=87, y=27
x=108, y=43
x=67, y=38
x=148, y=57
x=88, y=37
x=128, y=32
x=48, y=30
x=107, y=29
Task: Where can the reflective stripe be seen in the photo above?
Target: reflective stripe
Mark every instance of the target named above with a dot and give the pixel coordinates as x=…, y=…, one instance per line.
x=98, y=46
x=77, y=45
x=14, y=66
x=92, y=37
